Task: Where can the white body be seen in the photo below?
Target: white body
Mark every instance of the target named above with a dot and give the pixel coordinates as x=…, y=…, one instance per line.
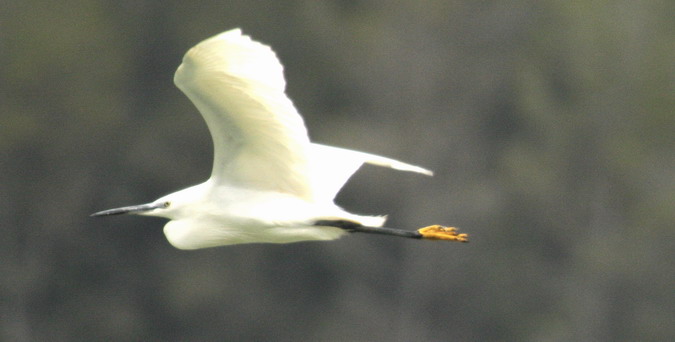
x=244, y=216
x=268, y=183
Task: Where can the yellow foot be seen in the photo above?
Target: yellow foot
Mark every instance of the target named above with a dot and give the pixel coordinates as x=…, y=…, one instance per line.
x=437, y=232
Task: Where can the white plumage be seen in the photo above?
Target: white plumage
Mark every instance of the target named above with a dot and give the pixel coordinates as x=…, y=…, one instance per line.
x=268, y=183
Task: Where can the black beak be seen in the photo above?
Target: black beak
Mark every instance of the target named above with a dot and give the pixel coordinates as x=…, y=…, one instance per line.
x=129, y=210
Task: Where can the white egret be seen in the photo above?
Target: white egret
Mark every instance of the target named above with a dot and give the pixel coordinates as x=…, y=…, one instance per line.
x=269, y=183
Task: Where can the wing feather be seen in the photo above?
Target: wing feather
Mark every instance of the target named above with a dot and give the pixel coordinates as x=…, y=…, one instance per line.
x=331, y=167
x=260, y=140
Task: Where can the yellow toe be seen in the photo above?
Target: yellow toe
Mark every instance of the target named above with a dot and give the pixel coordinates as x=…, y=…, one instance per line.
x=438, y=232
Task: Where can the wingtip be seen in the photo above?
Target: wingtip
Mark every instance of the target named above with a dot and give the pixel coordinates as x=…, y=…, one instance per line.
x=419, y=169
x=229, y=34
x=412, y=168
x=232, y=32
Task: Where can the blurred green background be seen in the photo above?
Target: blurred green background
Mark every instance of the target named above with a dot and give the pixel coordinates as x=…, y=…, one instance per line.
x=549, y=125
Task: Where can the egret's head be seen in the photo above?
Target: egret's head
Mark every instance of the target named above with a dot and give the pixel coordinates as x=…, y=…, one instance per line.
x=170, y=206
x=150, y=209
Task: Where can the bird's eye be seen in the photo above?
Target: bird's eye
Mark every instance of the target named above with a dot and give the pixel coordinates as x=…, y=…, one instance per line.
x=166, y=204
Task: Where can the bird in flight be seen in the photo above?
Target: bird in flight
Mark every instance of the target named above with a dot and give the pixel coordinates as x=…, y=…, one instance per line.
x=269, y=183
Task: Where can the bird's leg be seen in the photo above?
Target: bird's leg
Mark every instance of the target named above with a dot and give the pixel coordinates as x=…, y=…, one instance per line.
x=435, y=232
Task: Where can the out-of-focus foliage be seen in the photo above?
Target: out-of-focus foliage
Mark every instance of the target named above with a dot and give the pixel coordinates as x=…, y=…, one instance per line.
x=549, y=125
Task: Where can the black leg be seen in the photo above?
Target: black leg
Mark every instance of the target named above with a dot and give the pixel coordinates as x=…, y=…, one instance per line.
x=434, y=232
x=354, y=227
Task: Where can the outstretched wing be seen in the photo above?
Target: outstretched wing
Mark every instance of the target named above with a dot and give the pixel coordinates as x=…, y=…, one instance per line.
x=260, y=140
x=331, y=168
